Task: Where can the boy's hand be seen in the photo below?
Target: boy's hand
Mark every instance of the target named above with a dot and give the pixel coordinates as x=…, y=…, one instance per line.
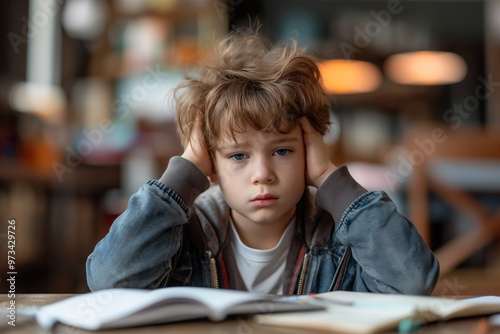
x=197, y=153
x=318, y=164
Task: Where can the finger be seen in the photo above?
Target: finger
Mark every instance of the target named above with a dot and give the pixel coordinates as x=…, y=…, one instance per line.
x=308, y=129
x=306, y=125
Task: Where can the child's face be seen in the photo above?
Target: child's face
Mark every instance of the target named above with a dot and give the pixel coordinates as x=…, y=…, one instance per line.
x=262, y=175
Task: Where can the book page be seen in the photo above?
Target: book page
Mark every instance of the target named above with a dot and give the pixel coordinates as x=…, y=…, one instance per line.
x=469, y=307
x=433, y=307
x=115, y=308
x=364, y=312
x=441, y=307
x=94, y=310
x=339, y=318
x=368, y=298
x=90, y=311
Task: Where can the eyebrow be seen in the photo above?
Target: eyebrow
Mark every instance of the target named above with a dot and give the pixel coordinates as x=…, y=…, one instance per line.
x=246, y=143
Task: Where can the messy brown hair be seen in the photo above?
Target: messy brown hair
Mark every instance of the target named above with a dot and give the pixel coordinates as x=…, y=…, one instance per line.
x=245, y=82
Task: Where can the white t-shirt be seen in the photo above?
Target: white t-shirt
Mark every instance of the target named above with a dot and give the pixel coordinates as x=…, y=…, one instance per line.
x=262, y=270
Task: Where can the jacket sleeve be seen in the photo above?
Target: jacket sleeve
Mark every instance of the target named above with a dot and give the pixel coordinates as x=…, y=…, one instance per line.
x=391, y=255
x=138, y=250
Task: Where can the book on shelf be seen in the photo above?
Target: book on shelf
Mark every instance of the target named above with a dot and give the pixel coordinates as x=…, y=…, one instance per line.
x=363, y=312
x=120, y=308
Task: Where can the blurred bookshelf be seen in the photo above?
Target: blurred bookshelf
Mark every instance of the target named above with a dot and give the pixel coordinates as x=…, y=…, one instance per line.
x=64, y=179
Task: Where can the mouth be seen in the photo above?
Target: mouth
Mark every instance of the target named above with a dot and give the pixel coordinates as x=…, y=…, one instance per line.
x=265, y=200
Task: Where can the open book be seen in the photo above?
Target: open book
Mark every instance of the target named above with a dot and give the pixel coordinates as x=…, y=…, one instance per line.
x=360, y=312
x=118, y=308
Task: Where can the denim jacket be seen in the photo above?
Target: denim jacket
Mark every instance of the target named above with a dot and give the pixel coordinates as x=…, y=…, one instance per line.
x=175, y=231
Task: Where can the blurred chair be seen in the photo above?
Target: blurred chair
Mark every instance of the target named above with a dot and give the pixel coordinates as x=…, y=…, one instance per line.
x=454, y=165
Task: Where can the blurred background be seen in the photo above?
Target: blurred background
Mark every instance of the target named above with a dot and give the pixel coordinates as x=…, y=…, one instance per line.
x=86, y=116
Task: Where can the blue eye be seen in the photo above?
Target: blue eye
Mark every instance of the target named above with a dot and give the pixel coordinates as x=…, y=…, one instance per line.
x=237, y=156
x=282, y=152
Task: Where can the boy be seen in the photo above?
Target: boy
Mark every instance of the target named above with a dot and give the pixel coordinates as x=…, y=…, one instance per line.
x=282, y=219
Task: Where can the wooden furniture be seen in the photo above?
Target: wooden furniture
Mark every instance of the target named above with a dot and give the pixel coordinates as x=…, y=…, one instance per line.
x=238, y=325
x=57, y=223
x=453, y=164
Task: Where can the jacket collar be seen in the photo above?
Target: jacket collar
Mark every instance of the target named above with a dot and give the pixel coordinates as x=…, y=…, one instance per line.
x=210, y=207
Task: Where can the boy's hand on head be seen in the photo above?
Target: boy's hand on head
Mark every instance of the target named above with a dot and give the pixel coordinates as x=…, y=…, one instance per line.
x=318, y=164
x=197, y=153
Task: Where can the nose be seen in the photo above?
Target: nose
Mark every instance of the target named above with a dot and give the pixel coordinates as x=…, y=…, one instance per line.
x=262, y=172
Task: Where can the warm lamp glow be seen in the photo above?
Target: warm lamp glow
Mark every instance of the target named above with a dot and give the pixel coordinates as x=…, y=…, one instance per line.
x=342, y=76
x=46, y=101
x=426, y=68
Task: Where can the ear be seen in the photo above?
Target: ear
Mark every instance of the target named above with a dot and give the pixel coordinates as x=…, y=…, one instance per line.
x=213, y=177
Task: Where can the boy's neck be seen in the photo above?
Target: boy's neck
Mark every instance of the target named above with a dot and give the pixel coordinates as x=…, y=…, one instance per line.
x=261, y=236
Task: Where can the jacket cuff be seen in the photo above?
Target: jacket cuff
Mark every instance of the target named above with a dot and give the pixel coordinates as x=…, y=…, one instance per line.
x=185, y=179
x=344, y=189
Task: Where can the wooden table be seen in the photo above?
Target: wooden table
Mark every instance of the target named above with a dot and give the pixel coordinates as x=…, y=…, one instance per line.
x=241, y=325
